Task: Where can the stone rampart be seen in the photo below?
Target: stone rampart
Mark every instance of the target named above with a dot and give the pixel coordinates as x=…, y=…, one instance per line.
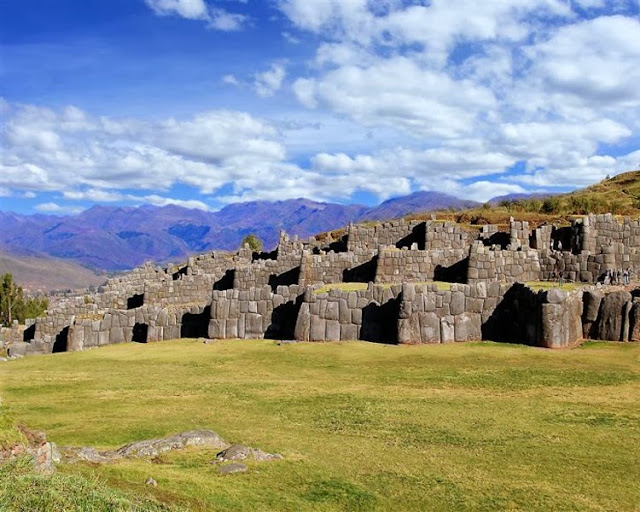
x=369, y=314
x=505, y=265
x=332, y=267
x=406, y=265
x=255, y=313
x=247, y=294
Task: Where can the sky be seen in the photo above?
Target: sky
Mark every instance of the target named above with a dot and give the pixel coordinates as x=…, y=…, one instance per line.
x=203, y=103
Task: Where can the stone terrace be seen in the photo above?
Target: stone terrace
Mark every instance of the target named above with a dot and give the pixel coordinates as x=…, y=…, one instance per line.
x=245, y=295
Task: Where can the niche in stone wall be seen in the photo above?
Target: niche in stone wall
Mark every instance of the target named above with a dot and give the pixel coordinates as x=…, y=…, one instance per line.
x=29, y=333
x=226, y=281
x=285, y=279
x=61, y=342
x=380, y=322
x=339, y=245
x=195, y=325
x=273, y=255
x=182, y=271
x=139, y=333
x=135, y=301
x=562, y=235
x=456, y=273
x=499, y=238
x=418, y=236
x=363, y=273
x=283, y=320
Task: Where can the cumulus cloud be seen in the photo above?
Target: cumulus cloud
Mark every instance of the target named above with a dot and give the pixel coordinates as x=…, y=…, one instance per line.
x=216, y=18
x=269, y=81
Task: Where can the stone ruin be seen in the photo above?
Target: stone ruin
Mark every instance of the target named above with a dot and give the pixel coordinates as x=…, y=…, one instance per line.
x=278, y=295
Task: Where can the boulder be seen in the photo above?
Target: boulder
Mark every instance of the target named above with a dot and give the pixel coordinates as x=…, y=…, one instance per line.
x=611, y=318
x=634, y=322
x=591, y=300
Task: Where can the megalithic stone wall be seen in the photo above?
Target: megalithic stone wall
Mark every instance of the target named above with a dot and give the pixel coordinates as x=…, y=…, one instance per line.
x=486, y=263
x=369, y=314
x=489, y=311
x=403, y=265
x=332, y=267
x=255, y=313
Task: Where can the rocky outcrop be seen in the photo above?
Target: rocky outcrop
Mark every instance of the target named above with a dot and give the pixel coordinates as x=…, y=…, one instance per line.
x=43, y=454
x=150, y=448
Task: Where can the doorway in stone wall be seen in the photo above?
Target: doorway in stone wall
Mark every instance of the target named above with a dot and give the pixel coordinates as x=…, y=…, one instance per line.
x=139, y=333
x=62, y=341
x=196, y=325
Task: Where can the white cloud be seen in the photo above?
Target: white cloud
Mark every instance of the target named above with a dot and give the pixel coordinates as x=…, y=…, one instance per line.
x=190, y=9
x=216, y=18
x=593, y=63
x=423, y=102
x=270, y=81
x=230, y=79
x=56, y=208
x=220, y=19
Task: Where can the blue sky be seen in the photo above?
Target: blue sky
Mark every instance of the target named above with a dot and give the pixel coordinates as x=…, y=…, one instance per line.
x=204, y=103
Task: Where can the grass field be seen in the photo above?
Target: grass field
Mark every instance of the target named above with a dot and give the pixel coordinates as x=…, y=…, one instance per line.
x=362, y=426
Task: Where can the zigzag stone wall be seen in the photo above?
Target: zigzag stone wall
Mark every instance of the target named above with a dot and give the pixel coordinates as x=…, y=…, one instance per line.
x=223, y=295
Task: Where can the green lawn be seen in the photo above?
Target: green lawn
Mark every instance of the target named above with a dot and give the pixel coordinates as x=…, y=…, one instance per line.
x=362, y=426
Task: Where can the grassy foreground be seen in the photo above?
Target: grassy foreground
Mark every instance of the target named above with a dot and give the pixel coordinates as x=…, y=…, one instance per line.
x=362, y=426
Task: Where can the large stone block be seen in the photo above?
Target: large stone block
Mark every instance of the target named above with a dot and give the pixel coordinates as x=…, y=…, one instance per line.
x=468, y=327
x=349, y=332
x=447, y=329
x=457, y=304
x=429, y=327
x=317, y=329
x=332, y=330
x=610, y=320
x=409, y=330
x=634, y=322
x=303, y=323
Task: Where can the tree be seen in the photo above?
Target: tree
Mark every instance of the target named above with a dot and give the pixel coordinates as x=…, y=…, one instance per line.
x=254, y=242
x=14, y=306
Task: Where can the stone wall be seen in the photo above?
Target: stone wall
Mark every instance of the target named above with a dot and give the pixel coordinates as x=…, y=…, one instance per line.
x=487, y=263
x=369, y=314
x=256, y=295
x=282, y=271
x=255, y=313
x=519, y=234
x=370, y=236
x=331, y=267
x=489, y=311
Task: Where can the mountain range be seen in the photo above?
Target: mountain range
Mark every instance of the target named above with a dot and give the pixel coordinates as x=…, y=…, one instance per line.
x=108, y=238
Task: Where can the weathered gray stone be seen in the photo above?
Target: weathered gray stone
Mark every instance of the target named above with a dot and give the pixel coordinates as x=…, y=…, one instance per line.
x=303, y=323
x=333, y=330
x=447, y=329
x=409, y=330
x=609, y=326
x=592, y=300
x=634, y=322
x=429, y=327
x=468, y=327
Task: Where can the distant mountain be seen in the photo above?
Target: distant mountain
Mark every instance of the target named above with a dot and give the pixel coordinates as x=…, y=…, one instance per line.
x=35, y=273
x=519, y=195
x=120, y=238
x=415, y=203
